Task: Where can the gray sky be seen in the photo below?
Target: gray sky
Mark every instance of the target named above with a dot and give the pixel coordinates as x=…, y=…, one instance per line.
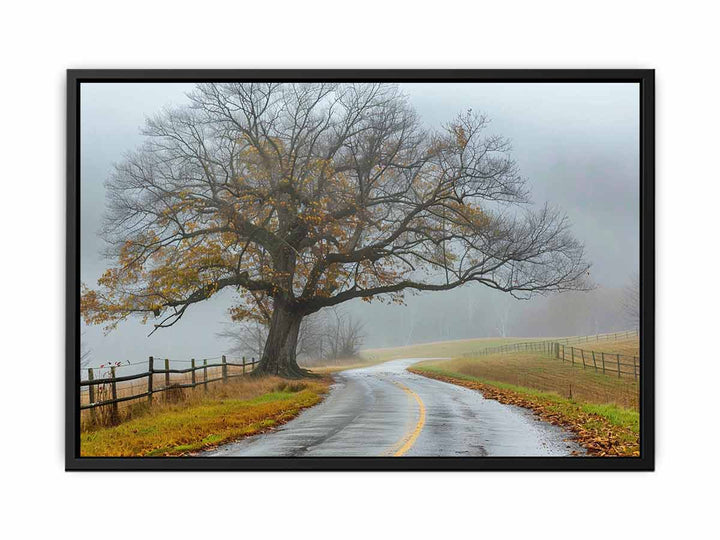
x=576, y=143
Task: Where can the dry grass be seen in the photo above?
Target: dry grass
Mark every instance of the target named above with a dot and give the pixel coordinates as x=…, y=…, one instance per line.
x=606, y=356
x=628, y=347
x=532, y=370
x=342, y=365
x=201, y=420
x=327, y=370
x=438, y=349
x=452, y=349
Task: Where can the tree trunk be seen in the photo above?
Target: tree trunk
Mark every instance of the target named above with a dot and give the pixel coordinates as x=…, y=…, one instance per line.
x=279, y=354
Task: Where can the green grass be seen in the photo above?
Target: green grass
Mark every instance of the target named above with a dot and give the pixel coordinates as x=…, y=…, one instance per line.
x=616, y=415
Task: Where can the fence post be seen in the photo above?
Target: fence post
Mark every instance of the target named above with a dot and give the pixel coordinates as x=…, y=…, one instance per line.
x=113, y=390
x=582, y=353
x=151, y=370
x=91, y=388
x=618, y=362
x=635, y=366
x=167, y=375
x=602, y=354
x=594, y=363
x=192, y=367
x=563, y=353
x=205, y=373
x=224, y=369
x=572, y=355
x=91, y=395
x=243, y=365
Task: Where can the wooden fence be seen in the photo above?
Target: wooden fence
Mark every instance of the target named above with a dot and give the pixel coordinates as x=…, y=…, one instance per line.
x=607, y=363
x=543, y=344
x=602, y=362
x=112, y=381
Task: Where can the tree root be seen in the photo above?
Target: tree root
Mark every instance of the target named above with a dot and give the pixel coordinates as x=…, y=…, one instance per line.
x=289, y=372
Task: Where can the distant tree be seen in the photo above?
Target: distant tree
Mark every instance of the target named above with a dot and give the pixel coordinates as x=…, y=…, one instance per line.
x=343, y=336
x=85, y=351
x=246, y=338
x=502, y=317
x=411, y=319
x=304, y=196
x=630, y=302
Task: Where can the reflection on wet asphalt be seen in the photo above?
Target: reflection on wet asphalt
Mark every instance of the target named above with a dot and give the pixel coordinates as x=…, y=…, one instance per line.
x=369, y=413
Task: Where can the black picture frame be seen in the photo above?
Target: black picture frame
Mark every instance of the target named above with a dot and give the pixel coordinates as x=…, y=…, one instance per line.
x=646, y=461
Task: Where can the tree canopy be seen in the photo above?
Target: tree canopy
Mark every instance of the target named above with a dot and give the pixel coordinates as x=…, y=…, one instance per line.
x=304, y=196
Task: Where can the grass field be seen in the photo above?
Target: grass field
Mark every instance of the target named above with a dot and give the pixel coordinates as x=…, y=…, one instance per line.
x=203, y=420
x=341, y=364
x=533, y=370
x=439, y=349
x=335, y=368
x=629, y=347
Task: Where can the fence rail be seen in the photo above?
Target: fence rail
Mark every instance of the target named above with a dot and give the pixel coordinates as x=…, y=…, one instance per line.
x=607, y=363
x=602, y=362
x=540, y=344
x=91, y=382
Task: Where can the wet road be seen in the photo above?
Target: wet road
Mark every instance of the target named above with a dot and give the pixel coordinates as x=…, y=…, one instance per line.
x=384, y=410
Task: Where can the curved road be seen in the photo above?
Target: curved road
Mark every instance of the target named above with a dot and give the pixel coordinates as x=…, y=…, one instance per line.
x=384, y=410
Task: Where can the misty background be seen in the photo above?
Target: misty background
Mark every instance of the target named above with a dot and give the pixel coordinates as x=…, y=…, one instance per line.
x=578, y=145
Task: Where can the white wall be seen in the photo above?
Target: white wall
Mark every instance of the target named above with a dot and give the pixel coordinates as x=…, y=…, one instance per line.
x=39, y=42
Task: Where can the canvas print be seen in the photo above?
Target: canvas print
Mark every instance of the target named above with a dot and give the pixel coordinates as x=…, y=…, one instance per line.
x=359, y=269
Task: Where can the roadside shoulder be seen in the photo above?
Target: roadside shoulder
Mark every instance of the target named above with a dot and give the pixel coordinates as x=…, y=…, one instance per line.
x=603, y=430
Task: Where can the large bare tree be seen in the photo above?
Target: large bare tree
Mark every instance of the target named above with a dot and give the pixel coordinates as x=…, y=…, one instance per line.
x=305, y=196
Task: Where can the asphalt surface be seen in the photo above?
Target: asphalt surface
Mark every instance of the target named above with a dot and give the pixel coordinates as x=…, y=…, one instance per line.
x=384, y=410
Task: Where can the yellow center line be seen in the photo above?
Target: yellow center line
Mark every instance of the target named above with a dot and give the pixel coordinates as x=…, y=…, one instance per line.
x=410, y=440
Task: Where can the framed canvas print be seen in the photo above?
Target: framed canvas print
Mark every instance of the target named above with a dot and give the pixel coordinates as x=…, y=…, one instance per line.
x=360, y=269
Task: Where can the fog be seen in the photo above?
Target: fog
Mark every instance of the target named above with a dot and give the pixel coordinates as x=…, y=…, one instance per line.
x=577, y=144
